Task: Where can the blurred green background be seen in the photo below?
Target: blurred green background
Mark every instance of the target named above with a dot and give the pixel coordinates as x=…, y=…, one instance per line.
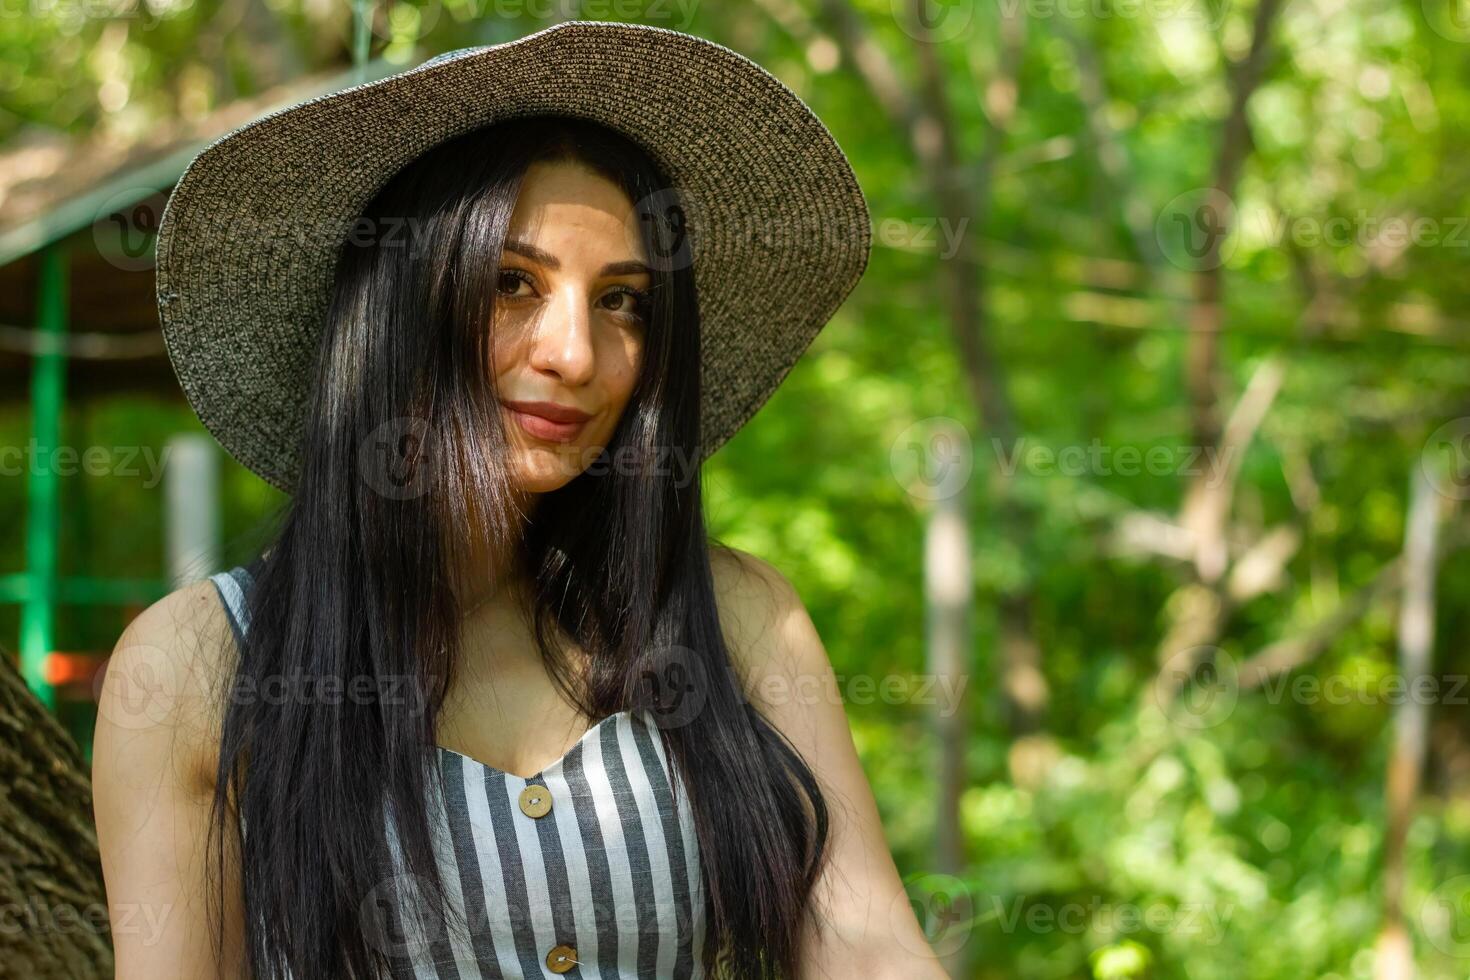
x=1168, y=300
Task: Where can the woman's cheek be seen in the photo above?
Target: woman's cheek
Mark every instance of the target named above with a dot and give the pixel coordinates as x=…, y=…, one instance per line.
x=632, y=361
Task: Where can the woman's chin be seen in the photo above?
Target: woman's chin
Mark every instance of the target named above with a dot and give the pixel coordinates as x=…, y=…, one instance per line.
x=541, y=471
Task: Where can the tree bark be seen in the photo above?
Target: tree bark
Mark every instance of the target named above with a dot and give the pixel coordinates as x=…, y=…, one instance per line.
x=1395, y=960
x=1201, y=609
x=53, y=908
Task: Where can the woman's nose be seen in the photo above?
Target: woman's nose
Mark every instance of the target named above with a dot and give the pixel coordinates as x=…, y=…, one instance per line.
x=563, y=342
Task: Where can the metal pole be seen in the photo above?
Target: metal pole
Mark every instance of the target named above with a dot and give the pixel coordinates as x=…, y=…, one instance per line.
x=48, y=378
x=192, y=484
x=948, y=591
x=362, y=14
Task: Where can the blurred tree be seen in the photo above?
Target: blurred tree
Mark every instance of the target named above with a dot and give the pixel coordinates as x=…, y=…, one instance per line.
x=50, y=874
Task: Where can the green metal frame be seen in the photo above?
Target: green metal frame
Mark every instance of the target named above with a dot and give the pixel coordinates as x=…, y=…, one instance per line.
x=40, y=588
x=48, y=381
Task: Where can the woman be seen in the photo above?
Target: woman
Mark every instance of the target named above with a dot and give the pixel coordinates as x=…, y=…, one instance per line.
x=494, y=561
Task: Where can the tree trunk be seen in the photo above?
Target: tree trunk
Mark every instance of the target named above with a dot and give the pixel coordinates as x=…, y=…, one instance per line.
x=1395, y=959
x=53, y=909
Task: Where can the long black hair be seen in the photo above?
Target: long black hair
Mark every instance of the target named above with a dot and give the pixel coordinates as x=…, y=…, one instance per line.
x=404, y=469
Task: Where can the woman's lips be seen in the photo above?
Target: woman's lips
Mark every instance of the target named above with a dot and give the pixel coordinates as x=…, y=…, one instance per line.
x=544, y=428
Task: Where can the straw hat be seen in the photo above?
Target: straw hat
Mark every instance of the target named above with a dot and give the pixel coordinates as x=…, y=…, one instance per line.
x=779, y=232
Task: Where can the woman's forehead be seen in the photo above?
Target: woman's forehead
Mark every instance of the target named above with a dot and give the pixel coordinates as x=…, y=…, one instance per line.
x=570, y=211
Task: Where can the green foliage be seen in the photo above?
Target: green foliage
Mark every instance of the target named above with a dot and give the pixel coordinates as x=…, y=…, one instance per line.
x=1251, y=846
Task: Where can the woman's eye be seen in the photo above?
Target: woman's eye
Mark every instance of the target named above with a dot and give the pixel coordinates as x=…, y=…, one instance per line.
x=624, y=300
x=511, y=280
x=633, y=302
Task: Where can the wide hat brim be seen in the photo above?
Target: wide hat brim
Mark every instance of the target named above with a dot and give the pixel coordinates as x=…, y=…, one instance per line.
x=779, y=229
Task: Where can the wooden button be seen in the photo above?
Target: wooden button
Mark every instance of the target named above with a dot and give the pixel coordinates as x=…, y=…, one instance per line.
x=536, y=802
x=561, y=959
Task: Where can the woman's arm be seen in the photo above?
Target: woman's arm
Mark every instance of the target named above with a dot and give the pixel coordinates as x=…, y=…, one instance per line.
x=152, y=781
x=866, y=926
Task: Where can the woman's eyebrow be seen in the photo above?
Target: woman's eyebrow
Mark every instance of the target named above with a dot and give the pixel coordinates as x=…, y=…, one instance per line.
x=627, y=267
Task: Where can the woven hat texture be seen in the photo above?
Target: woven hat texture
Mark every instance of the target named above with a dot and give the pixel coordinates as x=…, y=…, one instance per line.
x=779, y=230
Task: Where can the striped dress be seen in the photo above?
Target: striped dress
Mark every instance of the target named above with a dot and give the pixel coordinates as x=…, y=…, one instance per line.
x=586, y=869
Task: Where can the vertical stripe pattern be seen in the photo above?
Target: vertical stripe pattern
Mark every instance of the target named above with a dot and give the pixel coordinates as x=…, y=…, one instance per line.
x=611, y=871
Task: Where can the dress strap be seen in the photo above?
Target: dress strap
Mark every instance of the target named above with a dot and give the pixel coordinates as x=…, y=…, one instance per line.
x=234, y=588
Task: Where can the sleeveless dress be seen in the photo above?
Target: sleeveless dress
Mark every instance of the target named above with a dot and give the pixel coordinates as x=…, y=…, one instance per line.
x=586, y=869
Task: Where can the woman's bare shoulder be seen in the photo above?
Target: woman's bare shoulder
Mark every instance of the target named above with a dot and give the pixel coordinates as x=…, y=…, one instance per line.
x=154, y=756
x=742, y=578
x=163, y=686
x=765, y=623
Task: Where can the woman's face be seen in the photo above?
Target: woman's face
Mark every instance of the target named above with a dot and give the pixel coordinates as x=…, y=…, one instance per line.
x=569, y=324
